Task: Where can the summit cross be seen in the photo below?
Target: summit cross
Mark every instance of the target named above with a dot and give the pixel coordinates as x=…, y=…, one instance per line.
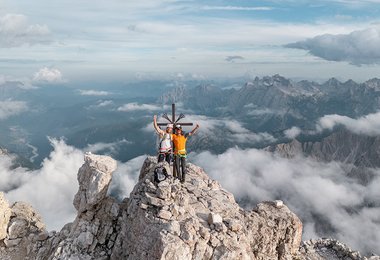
x=173, y=120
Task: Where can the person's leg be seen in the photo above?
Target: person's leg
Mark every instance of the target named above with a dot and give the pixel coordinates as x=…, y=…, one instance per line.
x=161, y=157
x=177, y=167
x=183, y=166
x=168, y=157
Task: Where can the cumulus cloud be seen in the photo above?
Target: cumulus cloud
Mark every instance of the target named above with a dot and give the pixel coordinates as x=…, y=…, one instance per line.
x=16, y=31
x=48, y=75
x=125, y=177
x=367, y=125
x=293, y=132
x=237, y=8
x=234, y=58
x=92, y=92
x=358, y=47
x=10, y=108
x=51, y=189
x=105, y=103
x=137, y=107
x=328, y=201
x=107, y=148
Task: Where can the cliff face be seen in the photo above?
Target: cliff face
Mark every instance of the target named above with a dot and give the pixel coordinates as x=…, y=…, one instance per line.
x=195, y=220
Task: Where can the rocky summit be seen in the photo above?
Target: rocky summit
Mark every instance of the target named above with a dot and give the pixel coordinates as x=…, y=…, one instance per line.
x=169, y=220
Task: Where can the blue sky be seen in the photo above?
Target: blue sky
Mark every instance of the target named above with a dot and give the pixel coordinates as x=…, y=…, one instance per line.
x=118, y=39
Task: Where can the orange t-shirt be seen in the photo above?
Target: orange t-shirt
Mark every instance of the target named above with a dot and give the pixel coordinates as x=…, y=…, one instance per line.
x=180, y=143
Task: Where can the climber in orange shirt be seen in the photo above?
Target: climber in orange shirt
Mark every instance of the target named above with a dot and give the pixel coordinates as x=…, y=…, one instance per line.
x=180, y=154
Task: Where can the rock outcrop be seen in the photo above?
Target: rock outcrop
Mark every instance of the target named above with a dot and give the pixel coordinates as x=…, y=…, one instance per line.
x=170, y=220
x=201, y=220
x=323, y=248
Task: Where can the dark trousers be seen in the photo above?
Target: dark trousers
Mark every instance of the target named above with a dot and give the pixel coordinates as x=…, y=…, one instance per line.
x=164, y=156
x=180, y=164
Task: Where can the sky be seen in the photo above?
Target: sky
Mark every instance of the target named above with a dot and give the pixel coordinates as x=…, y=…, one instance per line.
x=119, y=39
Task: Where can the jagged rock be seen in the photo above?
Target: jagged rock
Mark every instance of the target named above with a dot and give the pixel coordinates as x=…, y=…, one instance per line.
x=267, y=233
x=5, y=215
x=94, y=178
x=214, y=218
x=323, y=248
x=169, y=220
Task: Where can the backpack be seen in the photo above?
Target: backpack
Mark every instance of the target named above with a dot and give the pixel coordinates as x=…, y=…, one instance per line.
x=160, y=174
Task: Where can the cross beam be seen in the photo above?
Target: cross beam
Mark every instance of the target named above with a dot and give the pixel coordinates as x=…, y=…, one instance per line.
x=173, y=120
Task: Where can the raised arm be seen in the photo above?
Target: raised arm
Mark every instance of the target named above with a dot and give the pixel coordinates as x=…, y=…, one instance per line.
x=156, y=127
x=194, y=130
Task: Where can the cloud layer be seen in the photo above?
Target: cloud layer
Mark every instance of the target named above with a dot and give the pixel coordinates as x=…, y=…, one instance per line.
x=10, y=108
x=328, y=202
x=358, y=47
x=367, y=125
x=92, y=92
x=15, y=31
x=138, y=107
x=51, y=189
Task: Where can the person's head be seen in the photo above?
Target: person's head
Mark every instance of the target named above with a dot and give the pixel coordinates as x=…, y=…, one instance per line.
x=169, y=128
x=178, y=129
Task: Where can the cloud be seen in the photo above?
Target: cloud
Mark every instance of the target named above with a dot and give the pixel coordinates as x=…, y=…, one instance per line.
x=234, y=58
x=125, y=177
x=293, y=132
x=15, y=31
x=10, y=108
x=106, y=148
x=237, y=8
x=367, y=125
x=330, y=203
x=138, y=107
x=92, y=92
x=358, y=47
x=105, y=103
x=48, y=75
x=51, y=189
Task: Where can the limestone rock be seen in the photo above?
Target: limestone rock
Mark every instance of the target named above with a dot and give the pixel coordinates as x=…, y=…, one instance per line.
x=325, y=248
x=94, y=178
x=214, y=218
x=200, y=220
x=5, y=215
x=168, y=220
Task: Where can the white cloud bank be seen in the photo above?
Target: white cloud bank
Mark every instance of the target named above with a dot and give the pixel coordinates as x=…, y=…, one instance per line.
x=293, y=132
x=10, y=108
x=48, y=75
x=358, y=47
x=51, y=189
x=16, y=31
x=92, y=92
x=138, y=107
x=367, y=125
x=313, y=190
x=108, y=148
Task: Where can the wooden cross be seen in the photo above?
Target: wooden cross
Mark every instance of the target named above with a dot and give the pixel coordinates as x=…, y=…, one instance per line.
x=175, y=122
